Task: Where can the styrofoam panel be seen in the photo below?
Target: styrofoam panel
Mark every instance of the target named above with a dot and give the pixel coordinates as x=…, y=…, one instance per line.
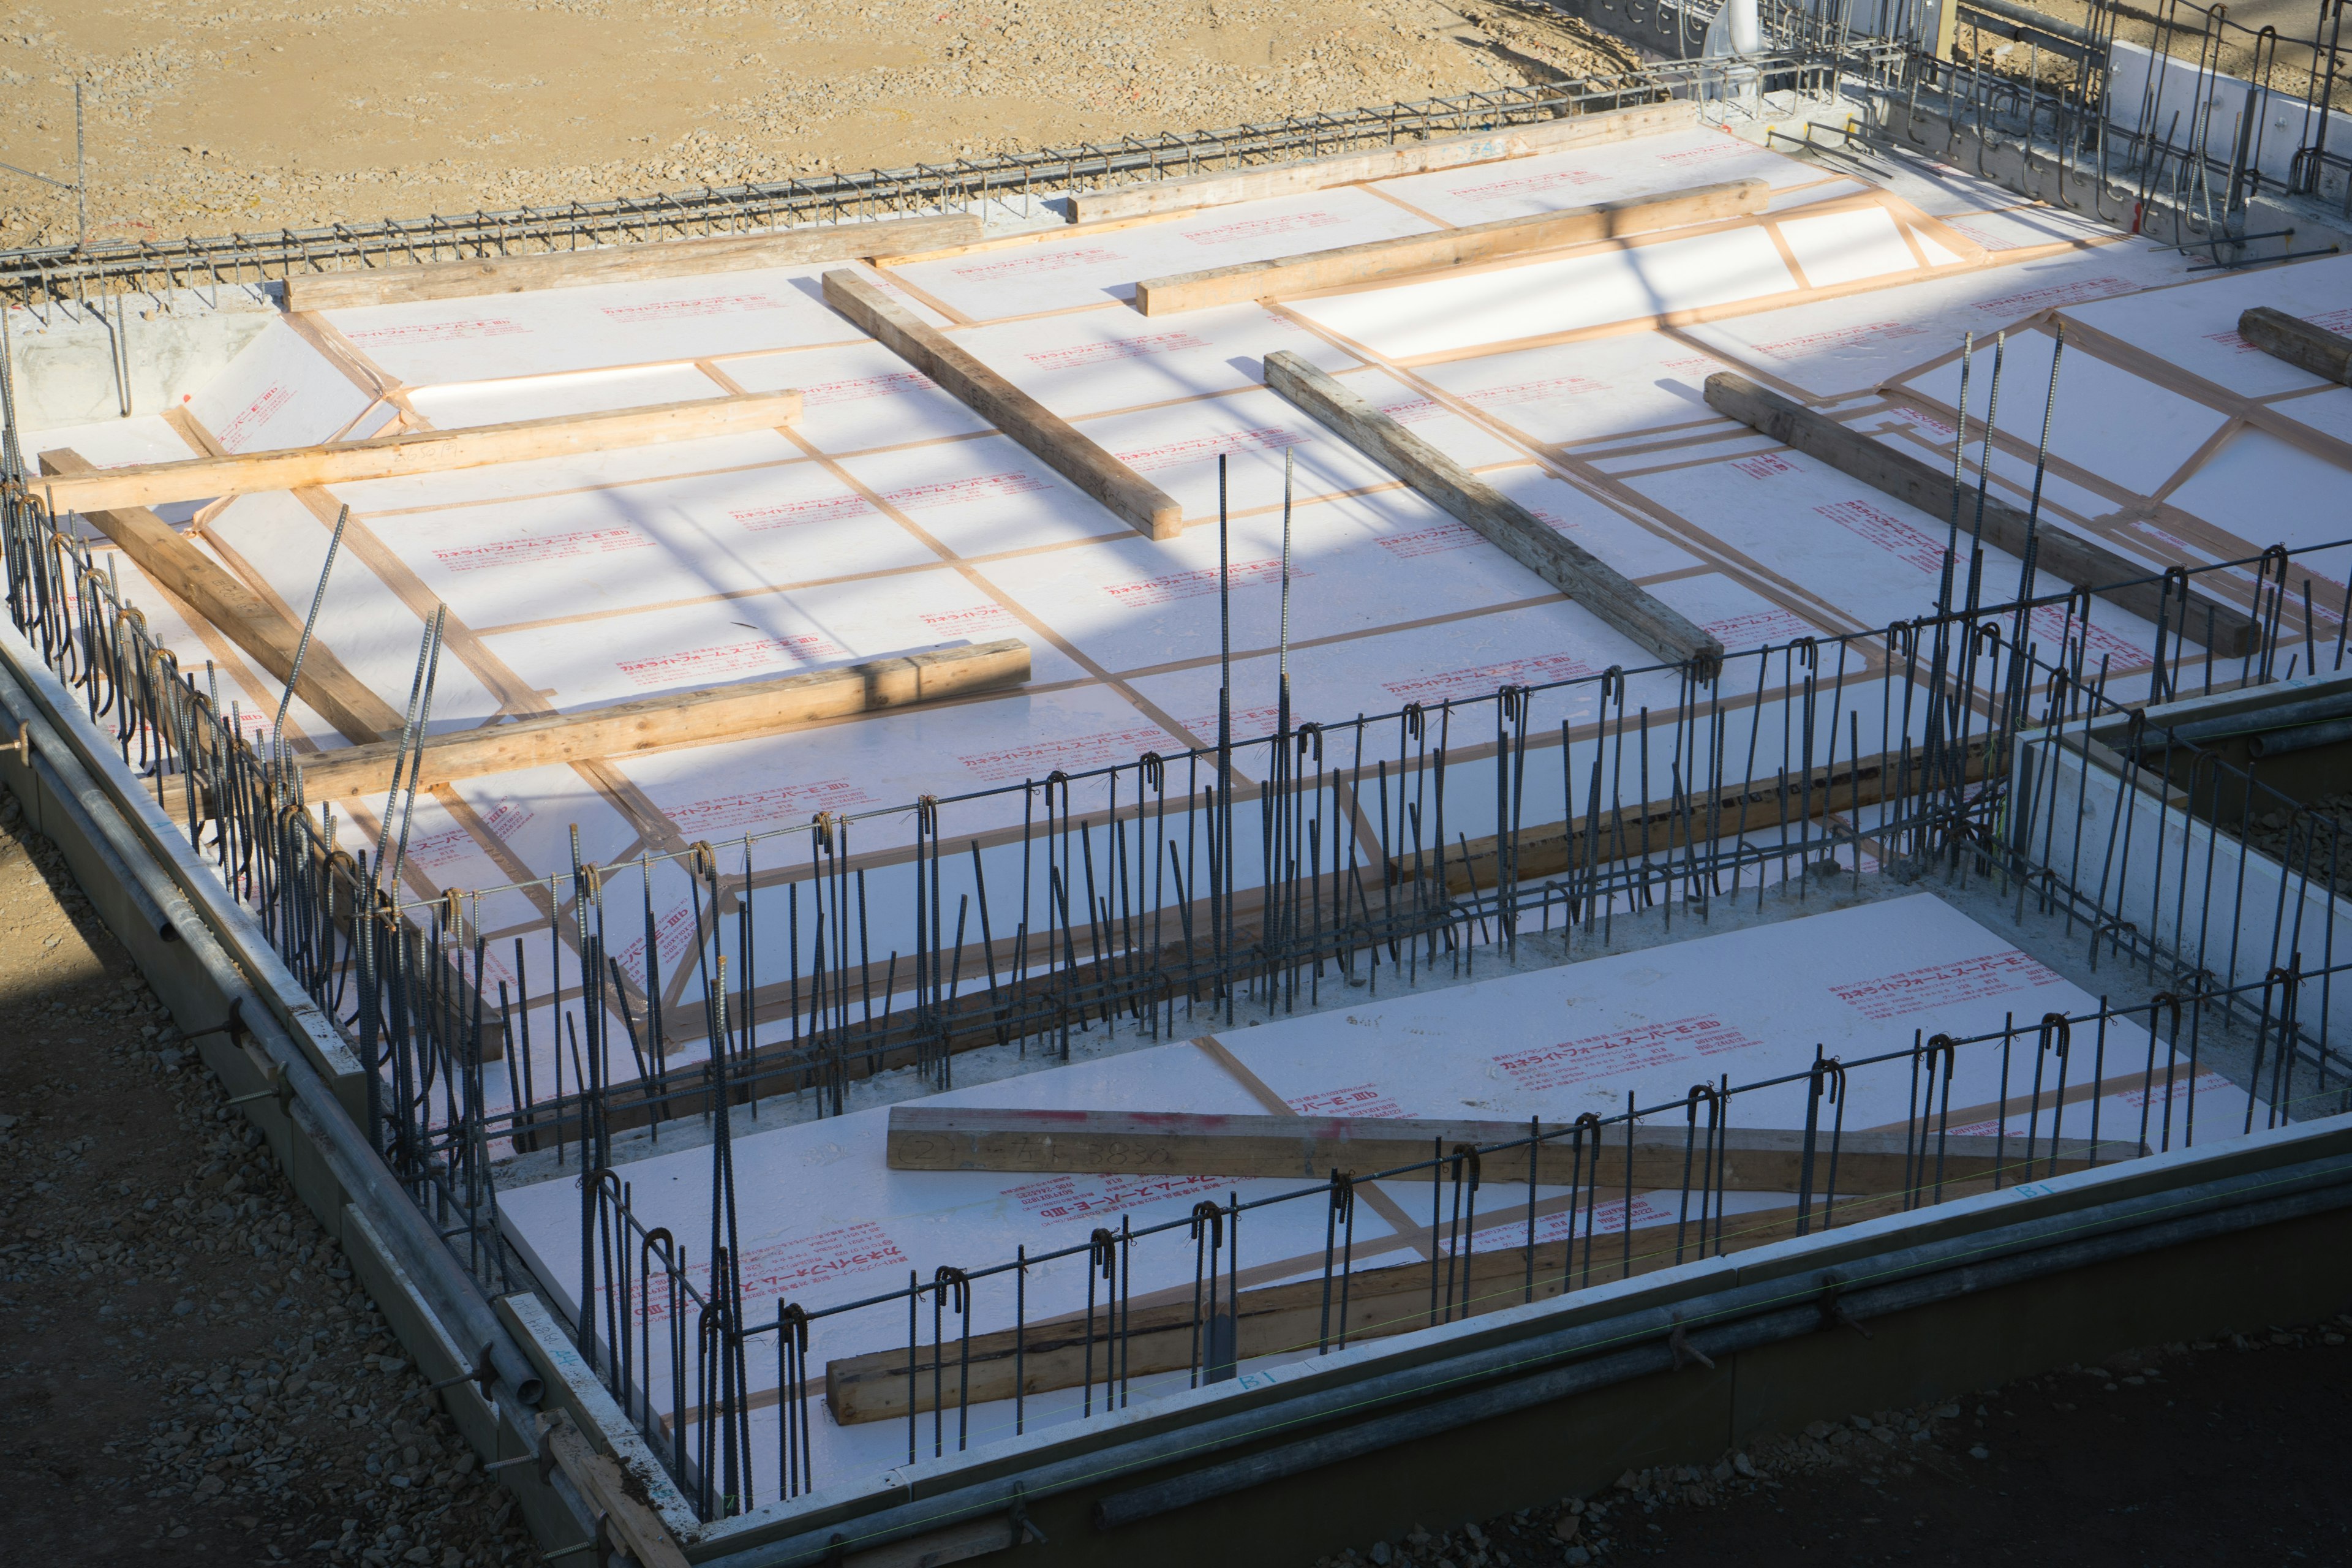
x=372, y=631
x=1789, y=200
x=1857, y=340
x=698, y=646
x=1571, y=393
x=1847, y=246
x=859, y=396
x=1356, y=562
x=2127, y=430
x=2267, y=492
x=2329, y=412
x=1608, y=534
x=1619, y=171
x=111, y=444
x=237, y=681
x=1736, y=441
x=1057, y=272
x=1930, y=441
x=1934, y=250
x=889, y=758
x=2017, y=227
x=551, y=396
x=2196, y=326
x=1937, y=188
x=597, y=552
x=1092, y=361
x=277, y=392
x=603, y=326
x=1877, y=559
x=1544, y=297
x=1735, y=615
x=980, y=497
x=575, y=471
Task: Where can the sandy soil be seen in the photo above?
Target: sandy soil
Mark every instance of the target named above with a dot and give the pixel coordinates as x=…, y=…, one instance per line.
x=205, y=116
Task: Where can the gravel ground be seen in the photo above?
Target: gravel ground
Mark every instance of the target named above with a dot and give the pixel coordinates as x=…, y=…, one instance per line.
x=187, y=1371
x=209, y=115
x=2218, y=1453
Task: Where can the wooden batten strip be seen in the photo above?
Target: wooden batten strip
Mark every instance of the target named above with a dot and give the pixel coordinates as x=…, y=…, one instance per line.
x=678, y=719
x=1386, y=261
x=1568, y=566
x=423, y=452
x=1143, y=505
x=2068, y=557
x=623, y=263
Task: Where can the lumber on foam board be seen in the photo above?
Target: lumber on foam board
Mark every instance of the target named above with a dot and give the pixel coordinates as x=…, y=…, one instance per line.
x=2068, y=557
x=1309, y=1148
x=1525, y=537
x=678, y=719
x=424, y=451
x=1230, y=185
x=1381, y=260
x=1167, y=1337
x=625, y=263
x=1135, y=499
x=2326, y=354
x=244, y=617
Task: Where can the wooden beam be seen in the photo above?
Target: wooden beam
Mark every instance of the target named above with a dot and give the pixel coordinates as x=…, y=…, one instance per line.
x=1380, y=260
x=2302, y=344
x=1309, y=1148
x=619, y=1496
x=678, y=718
x=1526, y=538
x=1230, y=186
x=623, y=263
x=423, y=451
x=2068, y=557
x=1132, y=497
x=244, y=617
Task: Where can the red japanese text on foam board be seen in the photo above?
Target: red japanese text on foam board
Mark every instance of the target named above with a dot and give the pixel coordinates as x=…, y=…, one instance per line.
x=434, y=851
x=896, y=383
x=675, y=934
x=1764, y=465
x=2051, y=625
x=696, y=664
x=509, y=816
x=2156, y=1094
x=1729, y=147
x=1077, y=356
x=532, y=549
x=794, y=804
x=1838, y=338
x=1260, y=227
x=1606, y=1218
x=253, y=417
x=1634, y=1049
x=1360, y=1099
x=1201, y=448
x=1482, y=679
x=2337, y=321
x=794, y=513
x=1756, y=627
x=956, y=492
x=682, y=309
x=1542, y=391
x=1433, y=540
x=1031, y=266
x=1526, y=185
x=1888, y=531
x=990, y=620
x=438, y=332
x=1075, y=755
x=788, y=1269
x=2072, y=293
x=1942, y=984
x=1058, y=1200
x=1171, y=586
x=1412, y=410
x=1248, y=722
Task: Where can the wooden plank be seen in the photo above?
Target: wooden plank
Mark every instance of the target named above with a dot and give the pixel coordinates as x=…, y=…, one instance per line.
x=1309, y=1148
x=1350, y=266
x=600, y=1479
x=2301, y=343
x=244, y=617
x=2068, y=557
x=1230, y=186
x=1133, y=499
x=678, y=719
x=623, y=263
x=1568, y=566
x=423, y=451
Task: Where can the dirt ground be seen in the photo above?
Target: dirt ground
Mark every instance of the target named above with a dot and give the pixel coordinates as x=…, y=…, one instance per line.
x=205, y=116
x=187, y=1374
x=2219, y=1453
